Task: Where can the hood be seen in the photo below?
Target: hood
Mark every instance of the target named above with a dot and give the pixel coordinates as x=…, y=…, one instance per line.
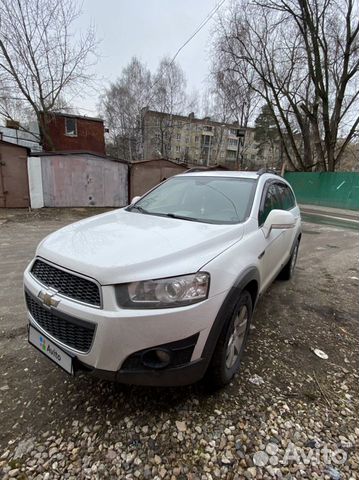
x=122, y=246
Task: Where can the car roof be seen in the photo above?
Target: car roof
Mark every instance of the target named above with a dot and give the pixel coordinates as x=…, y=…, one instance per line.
x=228, y=173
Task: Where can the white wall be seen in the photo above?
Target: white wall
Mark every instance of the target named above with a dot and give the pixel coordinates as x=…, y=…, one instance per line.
x=35, y=182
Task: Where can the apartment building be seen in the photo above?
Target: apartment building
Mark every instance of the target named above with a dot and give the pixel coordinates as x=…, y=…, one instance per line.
x=259, y=154
x=191, y=140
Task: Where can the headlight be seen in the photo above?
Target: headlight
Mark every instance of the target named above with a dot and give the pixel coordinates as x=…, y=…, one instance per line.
x=165, y=292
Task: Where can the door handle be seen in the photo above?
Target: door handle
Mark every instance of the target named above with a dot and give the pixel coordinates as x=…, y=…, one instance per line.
x=261, y=255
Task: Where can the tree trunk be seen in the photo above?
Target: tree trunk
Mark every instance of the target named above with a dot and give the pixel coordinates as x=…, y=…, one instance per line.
x=45, y=138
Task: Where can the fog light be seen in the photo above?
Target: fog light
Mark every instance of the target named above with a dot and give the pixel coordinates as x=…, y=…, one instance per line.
x=163, y=356
x=156, y=358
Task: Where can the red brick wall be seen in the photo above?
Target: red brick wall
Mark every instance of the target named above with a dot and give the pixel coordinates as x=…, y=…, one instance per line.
x=90, y=136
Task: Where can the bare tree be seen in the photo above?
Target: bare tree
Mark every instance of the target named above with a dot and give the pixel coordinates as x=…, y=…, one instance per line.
x=302, y=57
x=136, y=90
x=169, y=96
x=169, y=87
x=122, y=104
x=41, y=57
x=236, y=100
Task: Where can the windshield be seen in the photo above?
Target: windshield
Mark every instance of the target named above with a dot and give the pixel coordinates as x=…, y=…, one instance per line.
x=203, y=199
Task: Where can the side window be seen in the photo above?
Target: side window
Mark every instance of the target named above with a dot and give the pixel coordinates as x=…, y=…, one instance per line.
x=291, y=199
x=286, y=196
x=271, y=202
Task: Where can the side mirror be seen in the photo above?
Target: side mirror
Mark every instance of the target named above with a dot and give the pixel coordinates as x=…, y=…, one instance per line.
x=278, y=219
x=135, y=199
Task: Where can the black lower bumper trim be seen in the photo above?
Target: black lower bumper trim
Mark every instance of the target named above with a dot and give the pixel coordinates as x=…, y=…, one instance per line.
x=171, y=377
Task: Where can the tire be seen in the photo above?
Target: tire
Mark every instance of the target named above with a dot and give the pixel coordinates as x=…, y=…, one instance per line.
x=287, y=272
x=229, y=349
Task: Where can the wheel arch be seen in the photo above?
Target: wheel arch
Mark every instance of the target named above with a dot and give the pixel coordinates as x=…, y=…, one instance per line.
x=253, y=288
x=248, y=280
x=297, y=239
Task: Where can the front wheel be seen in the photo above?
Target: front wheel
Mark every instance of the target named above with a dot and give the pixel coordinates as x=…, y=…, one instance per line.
x=229, y=349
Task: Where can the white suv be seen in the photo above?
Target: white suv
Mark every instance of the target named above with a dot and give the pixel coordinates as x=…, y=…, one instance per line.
x=162, y=292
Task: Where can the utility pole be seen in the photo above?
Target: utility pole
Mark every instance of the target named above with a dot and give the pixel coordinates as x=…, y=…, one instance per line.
x=209, y=150
x=240, y=135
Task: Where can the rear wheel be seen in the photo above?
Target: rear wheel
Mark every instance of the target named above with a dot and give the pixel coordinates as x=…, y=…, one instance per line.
x=288, y=269
x=229, y=349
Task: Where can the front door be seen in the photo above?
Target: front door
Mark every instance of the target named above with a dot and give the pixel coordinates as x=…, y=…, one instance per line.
x=274, y=251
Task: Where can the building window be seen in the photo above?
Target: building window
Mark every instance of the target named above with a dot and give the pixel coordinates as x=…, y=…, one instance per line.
x=231, y=155
x=178, y=136
x=71, y=126
x=178, y=148
x=222, y=154
x=206, y=140
x=196, y=138
x=187, y=139
x=233, y=131
x=207, y=128
x=232, y=141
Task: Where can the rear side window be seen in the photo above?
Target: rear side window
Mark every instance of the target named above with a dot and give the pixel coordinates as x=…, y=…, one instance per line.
x=271, y=202
x=286, y=197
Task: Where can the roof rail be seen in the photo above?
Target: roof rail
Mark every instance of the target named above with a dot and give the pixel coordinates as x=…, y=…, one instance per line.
x=206, y=168
x=267, y=170
x=196, y=169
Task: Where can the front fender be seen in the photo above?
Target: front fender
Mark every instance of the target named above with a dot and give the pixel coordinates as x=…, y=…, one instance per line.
x=249, y=276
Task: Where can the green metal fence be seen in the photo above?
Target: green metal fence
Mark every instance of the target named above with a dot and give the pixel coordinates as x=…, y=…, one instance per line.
x=338, y=189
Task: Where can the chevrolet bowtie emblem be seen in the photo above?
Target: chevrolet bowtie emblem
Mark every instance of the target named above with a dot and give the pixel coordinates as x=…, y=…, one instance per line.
x=46, y=296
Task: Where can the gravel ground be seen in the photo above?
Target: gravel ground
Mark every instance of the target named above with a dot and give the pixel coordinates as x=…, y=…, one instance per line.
x=288, y=414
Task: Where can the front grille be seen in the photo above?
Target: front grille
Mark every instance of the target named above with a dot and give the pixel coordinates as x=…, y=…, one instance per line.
x=66, y=283
x=72, y=332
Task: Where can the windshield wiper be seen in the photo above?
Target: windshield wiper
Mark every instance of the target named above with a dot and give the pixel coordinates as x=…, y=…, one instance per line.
x=181, y=217
x=169, y=215
x=139, y=209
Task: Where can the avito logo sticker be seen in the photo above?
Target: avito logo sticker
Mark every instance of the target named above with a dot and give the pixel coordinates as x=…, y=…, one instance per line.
x=49, y=349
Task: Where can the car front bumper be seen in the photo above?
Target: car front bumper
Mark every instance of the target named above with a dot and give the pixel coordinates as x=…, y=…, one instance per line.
x=122, y=333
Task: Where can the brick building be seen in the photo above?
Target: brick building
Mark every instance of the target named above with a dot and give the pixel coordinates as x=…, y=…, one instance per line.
x=75, y=133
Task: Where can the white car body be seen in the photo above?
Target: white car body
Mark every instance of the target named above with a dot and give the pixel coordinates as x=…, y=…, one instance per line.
x=122, y=246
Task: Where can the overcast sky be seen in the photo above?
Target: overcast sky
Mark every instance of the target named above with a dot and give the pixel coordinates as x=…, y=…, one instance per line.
x=148, y=29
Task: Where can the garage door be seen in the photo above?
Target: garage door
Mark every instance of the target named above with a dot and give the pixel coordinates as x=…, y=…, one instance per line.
x=14, y=186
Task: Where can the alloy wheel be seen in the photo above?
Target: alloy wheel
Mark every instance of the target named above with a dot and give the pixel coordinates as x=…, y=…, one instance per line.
x=236, y=338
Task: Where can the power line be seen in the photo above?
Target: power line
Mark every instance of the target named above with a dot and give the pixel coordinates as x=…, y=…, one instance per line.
x=198, y=29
